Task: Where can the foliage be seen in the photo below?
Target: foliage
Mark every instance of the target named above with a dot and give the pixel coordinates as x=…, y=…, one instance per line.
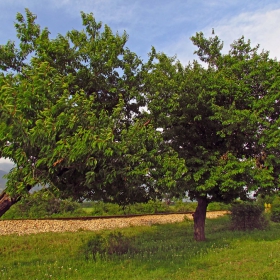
x=88, y=204
x=70, y=116
x=158, y=255
x=94, y=246
x=248, y=216
x=151, y=207
x=102, y=209
x=181, y=206
x=42, y=204
x=221, y=117
x=275, y=210
x=218, y=206
x=268, y=199
x=115, y=243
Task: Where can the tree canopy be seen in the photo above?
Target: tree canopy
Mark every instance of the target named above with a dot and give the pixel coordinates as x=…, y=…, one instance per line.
x=70, y=116
x=221, y=116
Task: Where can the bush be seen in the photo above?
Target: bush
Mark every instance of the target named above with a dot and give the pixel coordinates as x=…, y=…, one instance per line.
x=105, y=209
x=88, y=204
x=248, y=216
x=94, y=246
x=275, y=210
x=268, y=199
x=113, y=244
x=151, y=207
x=181, y=206
x=41, y=204
x=218, y=206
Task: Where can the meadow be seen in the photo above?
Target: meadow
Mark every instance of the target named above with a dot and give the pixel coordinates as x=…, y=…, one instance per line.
x=155, y=252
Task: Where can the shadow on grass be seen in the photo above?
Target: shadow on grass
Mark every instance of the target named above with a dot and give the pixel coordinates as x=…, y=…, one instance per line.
x=221, y=228
x=161, y=246
x=172, y=239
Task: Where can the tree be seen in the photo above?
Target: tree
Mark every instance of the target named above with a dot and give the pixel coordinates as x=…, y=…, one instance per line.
x=221, y=117
x=70, y=117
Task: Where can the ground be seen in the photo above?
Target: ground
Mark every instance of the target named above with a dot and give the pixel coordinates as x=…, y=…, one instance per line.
x=22, y=227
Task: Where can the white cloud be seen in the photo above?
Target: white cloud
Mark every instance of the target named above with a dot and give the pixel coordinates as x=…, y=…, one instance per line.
x=6, y=164
x=182, y=48
x=165, y=24
x=261, y=27
x=5, y=160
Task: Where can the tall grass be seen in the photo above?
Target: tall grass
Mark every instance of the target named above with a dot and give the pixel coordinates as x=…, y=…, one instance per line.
x=160, y=252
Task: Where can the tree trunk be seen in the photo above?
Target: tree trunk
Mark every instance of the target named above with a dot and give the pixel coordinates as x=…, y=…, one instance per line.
x=6, y=201
x=199, y=217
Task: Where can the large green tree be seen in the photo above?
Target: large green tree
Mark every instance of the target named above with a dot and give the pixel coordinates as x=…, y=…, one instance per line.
x=70, y=119
x=222, y=117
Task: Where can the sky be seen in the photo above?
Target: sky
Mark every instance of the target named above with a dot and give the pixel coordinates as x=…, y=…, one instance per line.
x=167, y=25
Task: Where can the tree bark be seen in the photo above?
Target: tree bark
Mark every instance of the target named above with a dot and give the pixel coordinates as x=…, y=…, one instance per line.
x=199, y=217
x=6, y=201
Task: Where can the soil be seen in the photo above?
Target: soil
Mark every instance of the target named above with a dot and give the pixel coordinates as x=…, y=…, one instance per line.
x=21, y=227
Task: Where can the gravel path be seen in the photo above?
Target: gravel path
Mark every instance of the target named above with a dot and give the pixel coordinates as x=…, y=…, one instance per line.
x=21, y=227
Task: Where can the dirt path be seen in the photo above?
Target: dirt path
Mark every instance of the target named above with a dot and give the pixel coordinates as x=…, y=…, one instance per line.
x=21, y=227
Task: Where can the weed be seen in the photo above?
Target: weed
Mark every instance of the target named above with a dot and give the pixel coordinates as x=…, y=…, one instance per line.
x=113, y=244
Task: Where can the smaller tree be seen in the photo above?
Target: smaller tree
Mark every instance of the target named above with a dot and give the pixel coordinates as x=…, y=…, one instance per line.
x=220, y=119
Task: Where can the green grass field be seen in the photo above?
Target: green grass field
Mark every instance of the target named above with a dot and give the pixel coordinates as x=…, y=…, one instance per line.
x=160, y=252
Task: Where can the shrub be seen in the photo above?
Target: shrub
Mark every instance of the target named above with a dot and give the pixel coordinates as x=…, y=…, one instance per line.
x=94, y=246
x=218, y=206
x=118, y=244
x=113, y=244
x=150, y=207
x=88, y=204
x=181, y=206
x=248, y=216
x=275, y=210
x=41, y=204
x=101, y=208
x=268, y=199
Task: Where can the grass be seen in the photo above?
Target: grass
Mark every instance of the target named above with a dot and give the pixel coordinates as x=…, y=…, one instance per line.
x=162, y=252
x=34, y=207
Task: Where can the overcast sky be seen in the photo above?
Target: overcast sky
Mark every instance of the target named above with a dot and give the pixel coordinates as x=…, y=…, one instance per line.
x=166, y=25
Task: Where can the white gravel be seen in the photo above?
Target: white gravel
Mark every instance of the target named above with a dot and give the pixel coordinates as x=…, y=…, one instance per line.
x=21, y=227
